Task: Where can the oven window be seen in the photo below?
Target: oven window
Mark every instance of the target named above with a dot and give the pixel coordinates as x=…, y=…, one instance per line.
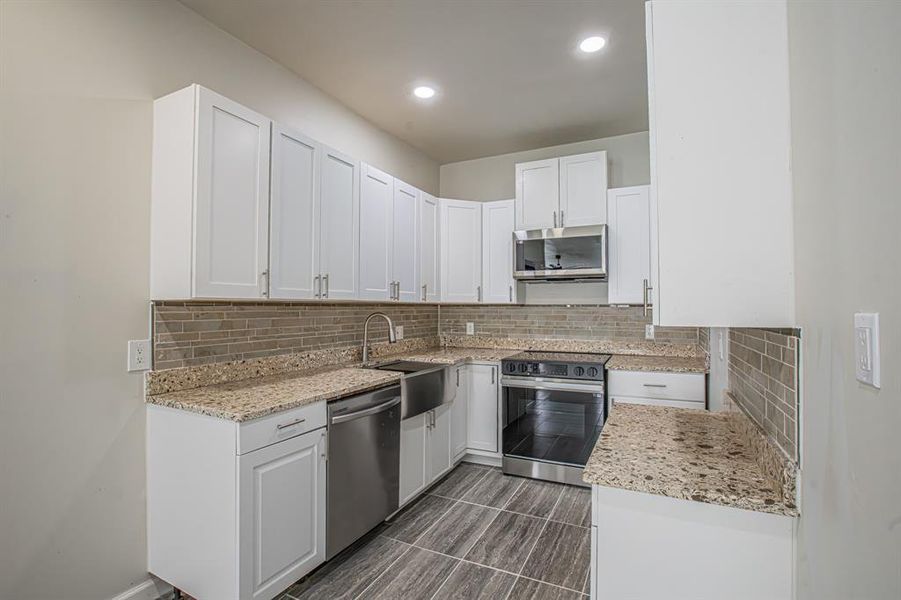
x=554, y=426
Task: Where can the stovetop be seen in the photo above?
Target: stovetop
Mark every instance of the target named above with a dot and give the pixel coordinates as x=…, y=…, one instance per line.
x=562, y=365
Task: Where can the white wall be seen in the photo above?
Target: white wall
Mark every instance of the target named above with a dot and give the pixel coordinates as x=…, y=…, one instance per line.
x=491, y=178
x=846, y=160
x=78, y=79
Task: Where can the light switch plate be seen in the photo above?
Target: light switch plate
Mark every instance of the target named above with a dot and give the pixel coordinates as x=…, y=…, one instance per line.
x=866, y=348
x=399, y=332
x=470, y=328
x=138, y=355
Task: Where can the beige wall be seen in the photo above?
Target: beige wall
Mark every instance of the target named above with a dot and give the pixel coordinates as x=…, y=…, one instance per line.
x=78, y=79
x=491, y=178
x=846, y=162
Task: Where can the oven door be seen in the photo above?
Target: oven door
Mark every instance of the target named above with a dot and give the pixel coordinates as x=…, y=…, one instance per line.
x=551, y=420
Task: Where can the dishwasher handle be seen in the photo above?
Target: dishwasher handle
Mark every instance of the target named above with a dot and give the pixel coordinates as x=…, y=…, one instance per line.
x=365, y=412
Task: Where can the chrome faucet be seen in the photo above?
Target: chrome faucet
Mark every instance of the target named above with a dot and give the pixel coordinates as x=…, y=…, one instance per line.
x=391, y=335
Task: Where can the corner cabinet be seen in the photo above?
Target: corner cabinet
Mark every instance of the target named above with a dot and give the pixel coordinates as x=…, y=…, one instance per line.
x=461, y=251
x=720, y=143
x=562, y=192
x=210, y=198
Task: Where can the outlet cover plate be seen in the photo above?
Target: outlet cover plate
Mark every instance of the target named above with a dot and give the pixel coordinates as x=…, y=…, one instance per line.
x=399, y=332
x=138, y=355
x=470, y=328
x=649, y=331
x=866, y=348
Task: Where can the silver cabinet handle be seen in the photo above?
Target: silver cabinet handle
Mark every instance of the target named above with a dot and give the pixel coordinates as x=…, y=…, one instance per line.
x=479, y=293
x=317, y=284
x=511, y=293
x=425, y=292
x=561, y=217
x=656, y=385
x=458, y=377
x=291, y=424
x=555, y=219
x=325, y=285
x=264, y=283
x=647, y=296
x=492, y=375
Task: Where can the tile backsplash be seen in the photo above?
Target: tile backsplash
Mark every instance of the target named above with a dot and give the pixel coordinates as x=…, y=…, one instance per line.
x=763, y=381
x=189, y=334
x=583, y=322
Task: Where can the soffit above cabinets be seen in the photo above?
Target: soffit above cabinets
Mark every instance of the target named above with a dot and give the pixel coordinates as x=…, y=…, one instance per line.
x=509, y=75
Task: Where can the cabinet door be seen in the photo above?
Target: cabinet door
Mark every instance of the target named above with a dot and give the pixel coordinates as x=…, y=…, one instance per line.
x=281, y=514
x=629, y=241
x=376, y=204
x=497, y=252
x=483, y=403
x=461, y=251
x=294, y=215
x=232, y=199
x=429, y=250
x=459, y=412
x=405, y=257
x=537, y=194
x=413, y=449
x=583, y=189
x=440, y=442
x=339, y=224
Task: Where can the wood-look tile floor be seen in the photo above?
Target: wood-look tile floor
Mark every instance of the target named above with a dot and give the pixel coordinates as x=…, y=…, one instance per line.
x=475, y=534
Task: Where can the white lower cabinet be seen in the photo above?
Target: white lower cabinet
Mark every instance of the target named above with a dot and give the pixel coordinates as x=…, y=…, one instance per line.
x=425, y=450
x=483, y=402
x=282, y=514
x=235, y=510
x=676, y=390
x=646, y=547
x=459, y=413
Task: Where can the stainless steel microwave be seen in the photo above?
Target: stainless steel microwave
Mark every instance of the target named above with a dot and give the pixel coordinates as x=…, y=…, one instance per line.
x=560, y=253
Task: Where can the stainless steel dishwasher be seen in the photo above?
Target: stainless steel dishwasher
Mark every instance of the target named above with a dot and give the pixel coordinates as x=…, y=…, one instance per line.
x=363, y=465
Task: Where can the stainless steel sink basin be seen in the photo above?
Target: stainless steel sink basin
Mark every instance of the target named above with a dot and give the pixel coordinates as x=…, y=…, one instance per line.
x=424, y=386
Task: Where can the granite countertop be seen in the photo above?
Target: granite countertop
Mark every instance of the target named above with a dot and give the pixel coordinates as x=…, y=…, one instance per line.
x=666, y=364
x=453, y=356
x=682, y=453
x=250, y=399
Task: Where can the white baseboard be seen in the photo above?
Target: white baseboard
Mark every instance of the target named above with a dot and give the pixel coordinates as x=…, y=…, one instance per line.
x=489, y=459
x=151, y=589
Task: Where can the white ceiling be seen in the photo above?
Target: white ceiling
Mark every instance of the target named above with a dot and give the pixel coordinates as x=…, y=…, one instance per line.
x=509, y=74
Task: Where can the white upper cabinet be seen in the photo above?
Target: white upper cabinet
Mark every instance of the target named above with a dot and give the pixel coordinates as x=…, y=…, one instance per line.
x=376, y=208
x=339, y=191
x=210, y=226
x=629, y=243
x=294, y=211
x=497, y=252
x=720, y=148
x=583, y=189
x=562, y=192
x=461, y=251
x=429, y=250
x=404, y=254
x=537, y=194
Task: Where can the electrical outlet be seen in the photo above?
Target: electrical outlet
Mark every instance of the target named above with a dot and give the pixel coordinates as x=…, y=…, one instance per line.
x=138, y=355
x=649, y=331
x=470, y=328
x=866, y=348
x=399, y=332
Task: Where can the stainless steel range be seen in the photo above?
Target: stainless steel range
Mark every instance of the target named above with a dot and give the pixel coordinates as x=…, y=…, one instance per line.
x=553, y=413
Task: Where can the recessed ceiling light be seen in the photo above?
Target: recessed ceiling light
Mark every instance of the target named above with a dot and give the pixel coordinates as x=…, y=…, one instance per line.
x=424, y=92
x=592, y=44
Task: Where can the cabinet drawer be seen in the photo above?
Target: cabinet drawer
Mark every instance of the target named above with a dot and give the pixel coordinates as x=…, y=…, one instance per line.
x=651, y=384
x=280, y=426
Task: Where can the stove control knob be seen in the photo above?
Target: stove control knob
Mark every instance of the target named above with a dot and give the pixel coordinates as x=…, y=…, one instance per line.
x=579, y=371
x=523, y=368
x=592, y=372
x=511, y=368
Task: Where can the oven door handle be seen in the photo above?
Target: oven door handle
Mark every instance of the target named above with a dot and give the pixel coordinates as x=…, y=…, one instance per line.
x=552, y=384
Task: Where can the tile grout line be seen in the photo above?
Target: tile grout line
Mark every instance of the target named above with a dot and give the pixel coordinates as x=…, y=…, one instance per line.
x=394, y=562
x=543, y=528
x=446, y=579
